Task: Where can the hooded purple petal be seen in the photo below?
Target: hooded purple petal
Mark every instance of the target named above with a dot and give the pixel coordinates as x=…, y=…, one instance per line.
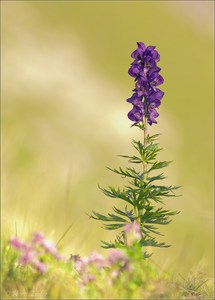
x=136, y=114
x=139, y=51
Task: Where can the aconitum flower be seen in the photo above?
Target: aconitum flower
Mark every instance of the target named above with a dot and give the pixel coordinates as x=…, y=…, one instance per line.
x=147, y=97
x=137, y=112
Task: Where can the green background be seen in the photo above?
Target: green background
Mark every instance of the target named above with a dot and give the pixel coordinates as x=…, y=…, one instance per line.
x=65, y=82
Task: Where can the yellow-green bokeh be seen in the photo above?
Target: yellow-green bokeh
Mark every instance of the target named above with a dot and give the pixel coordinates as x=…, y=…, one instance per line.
x=65, y=81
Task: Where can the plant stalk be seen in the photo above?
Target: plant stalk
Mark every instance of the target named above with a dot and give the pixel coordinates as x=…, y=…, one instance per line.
x=145, y=130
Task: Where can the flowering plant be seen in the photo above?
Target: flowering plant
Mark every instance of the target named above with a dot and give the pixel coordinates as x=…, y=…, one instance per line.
x=140, y=214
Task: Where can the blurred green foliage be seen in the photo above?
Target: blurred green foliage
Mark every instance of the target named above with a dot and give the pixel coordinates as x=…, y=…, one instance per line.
x=65, y=81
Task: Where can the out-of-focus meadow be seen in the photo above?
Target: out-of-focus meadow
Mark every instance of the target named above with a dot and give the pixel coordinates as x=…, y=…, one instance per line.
x=65, y=84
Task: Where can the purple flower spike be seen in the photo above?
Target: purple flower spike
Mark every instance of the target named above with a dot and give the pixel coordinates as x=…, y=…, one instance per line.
x=146, y=95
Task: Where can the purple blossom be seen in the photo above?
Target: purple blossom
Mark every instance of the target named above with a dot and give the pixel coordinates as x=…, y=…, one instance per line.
x=139, y=51
x=137, y=112
x=155, y=79
x=152, y=114
x=141, y=87
x=147, y=97
x=134, y=70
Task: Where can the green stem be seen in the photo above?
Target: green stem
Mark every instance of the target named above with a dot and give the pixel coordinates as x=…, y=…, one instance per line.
x=145, y=130
x=135, y=210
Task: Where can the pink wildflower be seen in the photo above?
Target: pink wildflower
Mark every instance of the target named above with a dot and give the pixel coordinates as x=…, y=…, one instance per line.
x=32, y=253
x=80, y=264
x=87, y=277
x=38, y=237
x=39, y=266
x=49, y=246
x=117, y=256
x=133, y=233
x=115, y=274
x=118, y=261
x=17, y=244
x=97, y=260
x=27, y=257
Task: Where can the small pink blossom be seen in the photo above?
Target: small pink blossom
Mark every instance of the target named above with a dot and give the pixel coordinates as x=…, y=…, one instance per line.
x=27, y=257
x=88, y=278
x=115, y=274
x=133, y=233
x=38, y=237
x=97, y=260
x=95, y=256
x=32, y=253
x=80, y=264
x=39, y=266
x=117, y=256
x=49, y=246
x=17, y=244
